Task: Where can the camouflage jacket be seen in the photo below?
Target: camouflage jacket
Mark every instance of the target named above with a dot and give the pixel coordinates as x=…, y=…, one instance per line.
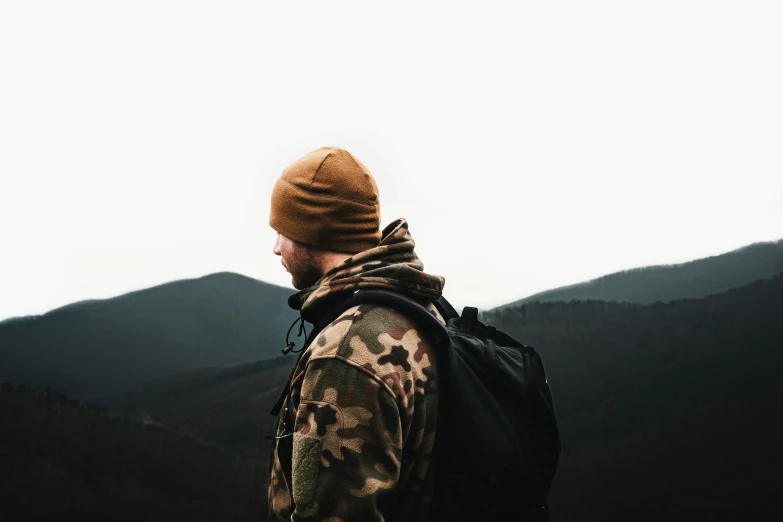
x=363, y=399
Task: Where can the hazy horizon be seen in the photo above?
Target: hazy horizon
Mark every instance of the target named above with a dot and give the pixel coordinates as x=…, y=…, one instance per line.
x=530, y=147
x=457, y=301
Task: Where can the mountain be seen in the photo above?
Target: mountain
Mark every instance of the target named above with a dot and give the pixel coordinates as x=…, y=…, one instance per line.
x=668, y=411
x=99, y=348
x=693, y=279
x=96, y=348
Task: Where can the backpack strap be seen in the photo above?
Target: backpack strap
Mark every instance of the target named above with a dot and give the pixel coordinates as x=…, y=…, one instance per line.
x=468, y=319
x=445, y=309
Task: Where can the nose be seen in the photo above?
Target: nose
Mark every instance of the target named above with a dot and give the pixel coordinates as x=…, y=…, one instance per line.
x=276, y=247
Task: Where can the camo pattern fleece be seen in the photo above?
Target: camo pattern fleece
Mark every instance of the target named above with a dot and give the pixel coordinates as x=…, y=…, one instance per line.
x=365, y=399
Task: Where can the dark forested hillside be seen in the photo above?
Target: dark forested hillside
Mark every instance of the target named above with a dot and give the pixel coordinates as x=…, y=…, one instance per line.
x=698, y=278
x=94, y=348
x=61, y=460
x=225, y=407
x=666, y=410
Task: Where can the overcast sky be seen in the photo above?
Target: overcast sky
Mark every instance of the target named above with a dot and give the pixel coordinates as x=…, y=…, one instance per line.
x=528, y=147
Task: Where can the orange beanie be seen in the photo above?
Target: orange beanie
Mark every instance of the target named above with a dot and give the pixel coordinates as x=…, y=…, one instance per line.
x=327, y=199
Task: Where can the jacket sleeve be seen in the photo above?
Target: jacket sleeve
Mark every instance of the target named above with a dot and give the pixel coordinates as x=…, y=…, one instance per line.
x=347, y=443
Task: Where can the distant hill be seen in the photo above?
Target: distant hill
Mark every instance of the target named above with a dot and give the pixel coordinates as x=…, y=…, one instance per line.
x=97, y=348
x=698, y=278
x=652, y=397
x=666, y=409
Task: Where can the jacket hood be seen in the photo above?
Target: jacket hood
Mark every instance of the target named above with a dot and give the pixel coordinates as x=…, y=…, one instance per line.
x=392, y=265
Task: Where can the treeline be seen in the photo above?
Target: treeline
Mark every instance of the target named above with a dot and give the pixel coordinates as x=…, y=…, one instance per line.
x=63, y=460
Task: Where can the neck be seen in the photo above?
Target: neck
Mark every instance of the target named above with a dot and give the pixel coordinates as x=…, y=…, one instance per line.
x=330, y=260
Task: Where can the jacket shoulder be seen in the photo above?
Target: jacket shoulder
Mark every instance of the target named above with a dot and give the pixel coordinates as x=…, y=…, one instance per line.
x=383, y=343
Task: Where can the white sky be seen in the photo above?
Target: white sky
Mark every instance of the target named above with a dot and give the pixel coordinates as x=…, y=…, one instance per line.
x=529, y=147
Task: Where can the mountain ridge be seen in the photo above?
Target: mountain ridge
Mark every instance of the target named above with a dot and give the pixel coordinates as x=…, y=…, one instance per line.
x=695, y=278
x=91, y=348
x=221, y=319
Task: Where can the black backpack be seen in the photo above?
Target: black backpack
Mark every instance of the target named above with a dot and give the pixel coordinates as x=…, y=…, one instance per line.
x=497, y=443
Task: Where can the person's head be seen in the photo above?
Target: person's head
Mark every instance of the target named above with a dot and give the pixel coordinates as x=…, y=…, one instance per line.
x=325, y=208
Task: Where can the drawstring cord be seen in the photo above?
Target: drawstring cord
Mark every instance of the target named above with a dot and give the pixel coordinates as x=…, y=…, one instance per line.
x=289, y=345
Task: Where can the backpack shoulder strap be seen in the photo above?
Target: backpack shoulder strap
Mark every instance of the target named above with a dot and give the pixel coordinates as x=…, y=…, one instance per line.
x=445, y=309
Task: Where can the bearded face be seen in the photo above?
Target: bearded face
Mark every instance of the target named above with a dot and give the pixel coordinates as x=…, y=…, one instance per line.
x=299, y=260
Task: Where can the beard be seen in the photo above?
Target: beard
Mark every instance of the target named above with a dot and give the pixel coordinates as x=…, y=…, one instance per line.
x=302, y=267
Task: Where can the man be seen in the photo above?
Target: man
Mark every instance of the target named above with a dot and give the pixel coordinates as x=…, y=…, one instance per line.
x=356, y=430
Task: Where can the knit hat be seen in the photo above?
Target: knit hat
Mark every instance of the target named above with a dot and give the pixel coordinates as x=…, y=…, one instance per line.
x=327, y=199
